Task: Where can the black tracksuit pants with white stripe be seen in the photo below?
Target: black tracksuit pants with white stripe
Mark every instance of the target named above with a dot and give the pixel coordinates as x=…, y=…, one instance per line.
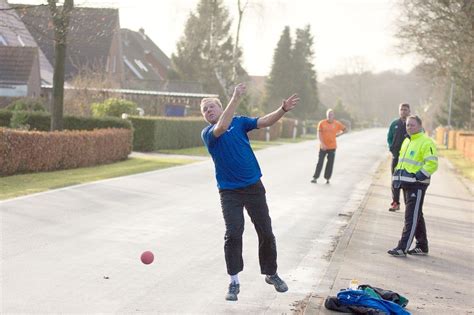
x=414, y=221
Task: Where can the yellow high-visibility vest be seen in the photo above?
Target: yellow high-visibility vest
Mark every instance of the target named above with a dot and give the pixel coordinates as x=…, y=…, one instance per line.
x=418, y=160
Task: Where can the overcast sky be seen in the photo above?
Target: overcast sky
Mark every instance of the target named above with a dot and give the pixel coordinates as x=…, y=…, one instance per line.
x=344, y=30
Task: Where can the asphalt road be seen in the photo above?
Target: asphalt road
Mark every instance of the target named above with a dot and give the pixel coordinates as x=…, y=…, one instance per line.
x=77, y=249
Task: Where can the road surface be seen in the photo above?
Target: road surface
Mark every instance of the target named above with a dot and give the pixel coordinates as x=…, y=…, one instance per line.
x=77, y=249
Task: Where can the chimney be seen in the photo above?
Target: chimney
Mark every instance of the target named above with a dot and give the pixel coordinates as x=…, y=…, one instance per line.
x=142, y=32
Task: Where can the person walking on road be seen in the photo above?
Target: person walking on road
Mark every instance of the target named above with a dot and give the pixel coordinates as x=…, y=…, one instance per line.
x=328, y=130
x=238, y=180
x=417, y=162
x=396, y=134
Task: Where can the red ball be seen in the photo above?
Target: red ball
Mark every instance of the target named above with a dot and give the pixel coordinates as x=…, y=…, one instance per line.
x=147, y=257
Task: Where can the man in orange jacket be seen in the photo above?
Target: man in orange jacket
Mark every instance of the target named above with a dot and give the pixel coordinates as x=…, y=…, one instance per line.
x=328, y=130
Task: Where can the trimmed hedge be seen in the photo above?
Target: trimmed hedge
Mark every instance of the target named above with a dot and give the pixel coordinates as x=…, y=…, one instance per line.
x=158, y=133
x=37, y=120
x=5, y=117
x=41, y=121
x=34, y=151
x=86, y=123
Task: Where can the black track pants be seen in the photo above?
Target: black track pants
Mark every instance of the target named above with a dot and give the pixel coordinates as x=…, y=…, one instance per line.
x=414, y=221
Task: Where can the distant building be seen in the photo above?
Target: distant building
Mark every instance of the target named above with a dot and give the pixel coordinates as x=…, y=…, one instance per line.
x=14, y=33
x=145, y=64
x=19, y=72
x=95, y=45
x=127, y=63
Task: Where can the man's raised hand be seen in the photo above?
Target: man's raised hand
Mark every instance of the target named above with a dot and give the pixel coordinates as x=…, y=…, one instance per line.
x=239, y=90
x=290, y=102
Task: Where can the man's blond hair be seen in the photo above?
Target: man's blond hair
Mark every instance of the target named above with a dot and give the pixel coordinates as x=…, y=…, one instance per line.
x=417, y=118
x=211, y=100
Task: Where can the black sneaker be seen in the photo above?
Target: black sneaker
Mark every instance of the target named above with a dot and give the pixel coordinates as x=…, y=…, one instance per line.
x=396, y=252
x=327, y=181
x=418, y=251
x=275, y=280
x=314, y=180
x=234, y=289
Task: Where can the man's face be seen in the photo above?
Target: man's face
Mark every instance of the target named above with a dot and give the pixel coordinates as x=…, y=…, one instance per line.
x=330, y=116
x=412, y=126
x=211, y=111
x=404, y=112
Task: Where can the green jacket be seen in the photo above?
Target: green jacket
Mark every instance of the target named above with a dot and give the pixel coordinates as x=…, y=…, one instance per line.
x=397, y=132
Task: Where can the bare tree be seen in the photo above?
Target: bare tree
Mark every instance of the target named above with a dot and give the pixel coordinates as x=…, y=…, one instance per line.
x=79, y=99
x=61, y=17
x=442, y=32
x=241, y=11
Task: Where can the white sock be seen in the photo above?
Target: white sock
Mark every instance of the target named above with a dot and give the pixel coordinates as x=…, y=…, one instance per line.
x=234, y=279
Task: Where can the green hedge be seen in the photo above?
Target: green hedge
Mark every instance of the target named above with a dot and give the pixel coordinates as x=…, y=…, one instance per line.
x=5, y=117
x=41, y=121
x=85, y=123
x=158, y=133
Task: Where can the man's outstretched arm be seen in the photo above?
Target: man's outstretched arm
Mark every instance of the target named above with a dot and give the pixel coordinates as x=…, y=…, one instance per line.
x=226, y=118
x=271, y=118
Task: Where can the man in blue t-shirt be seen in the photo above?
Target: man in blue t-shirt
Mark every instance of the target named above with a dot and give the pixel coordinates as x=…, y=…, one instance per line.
x=238, y=179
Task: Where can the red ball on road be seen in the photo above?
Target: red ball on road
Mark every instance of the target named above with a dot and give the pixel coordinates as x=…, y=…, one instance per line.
x=147, y=257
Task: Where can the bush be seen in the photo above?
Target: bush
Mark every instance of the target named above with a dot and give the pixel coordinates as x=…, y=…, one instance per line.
x=30, y=120
x=27, y=104
x=158, y=133
x=19, y=120
x=113, y=107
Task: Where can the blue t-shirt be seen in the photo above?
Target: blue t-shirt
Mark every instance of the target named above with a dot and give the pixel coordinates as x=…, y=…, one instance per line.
x=234, y=160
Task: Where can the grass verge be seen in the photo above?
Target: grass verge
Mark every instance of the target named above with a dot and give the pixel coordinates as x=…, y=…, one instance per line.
x=463, y=165
x=24, y=184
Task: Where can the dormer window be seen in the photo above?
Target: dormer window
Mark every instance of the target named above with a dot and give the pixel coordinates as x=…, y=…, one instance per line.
x=140, y=64
x=3, y=40
x=22, y=43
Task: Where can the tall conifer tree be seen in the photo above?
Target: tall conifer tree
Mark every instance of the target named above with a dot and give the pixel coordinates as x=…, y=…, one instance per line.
x=304, y=74
x=278, y=85
x=293, y=72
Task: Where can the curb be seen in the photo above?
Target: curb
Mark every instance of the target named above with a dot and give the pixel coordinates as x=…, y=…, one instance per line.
x=316, y=300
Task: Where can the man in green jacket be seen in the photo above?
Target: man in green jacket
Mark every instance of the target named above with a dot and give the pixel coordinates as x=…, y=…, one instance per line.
x=418, y=160
x=395, y=136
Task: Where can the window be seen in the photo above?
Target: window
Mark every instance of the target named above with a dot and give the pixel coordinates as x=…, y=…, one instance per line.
x=22, y=43
x=3, y=40
x=132, y=68
x=140, y=64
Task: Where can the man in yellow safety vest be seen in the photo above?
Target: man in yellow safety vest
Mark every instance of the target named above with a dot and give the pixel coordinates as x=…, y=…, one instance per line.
x=418, y=160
